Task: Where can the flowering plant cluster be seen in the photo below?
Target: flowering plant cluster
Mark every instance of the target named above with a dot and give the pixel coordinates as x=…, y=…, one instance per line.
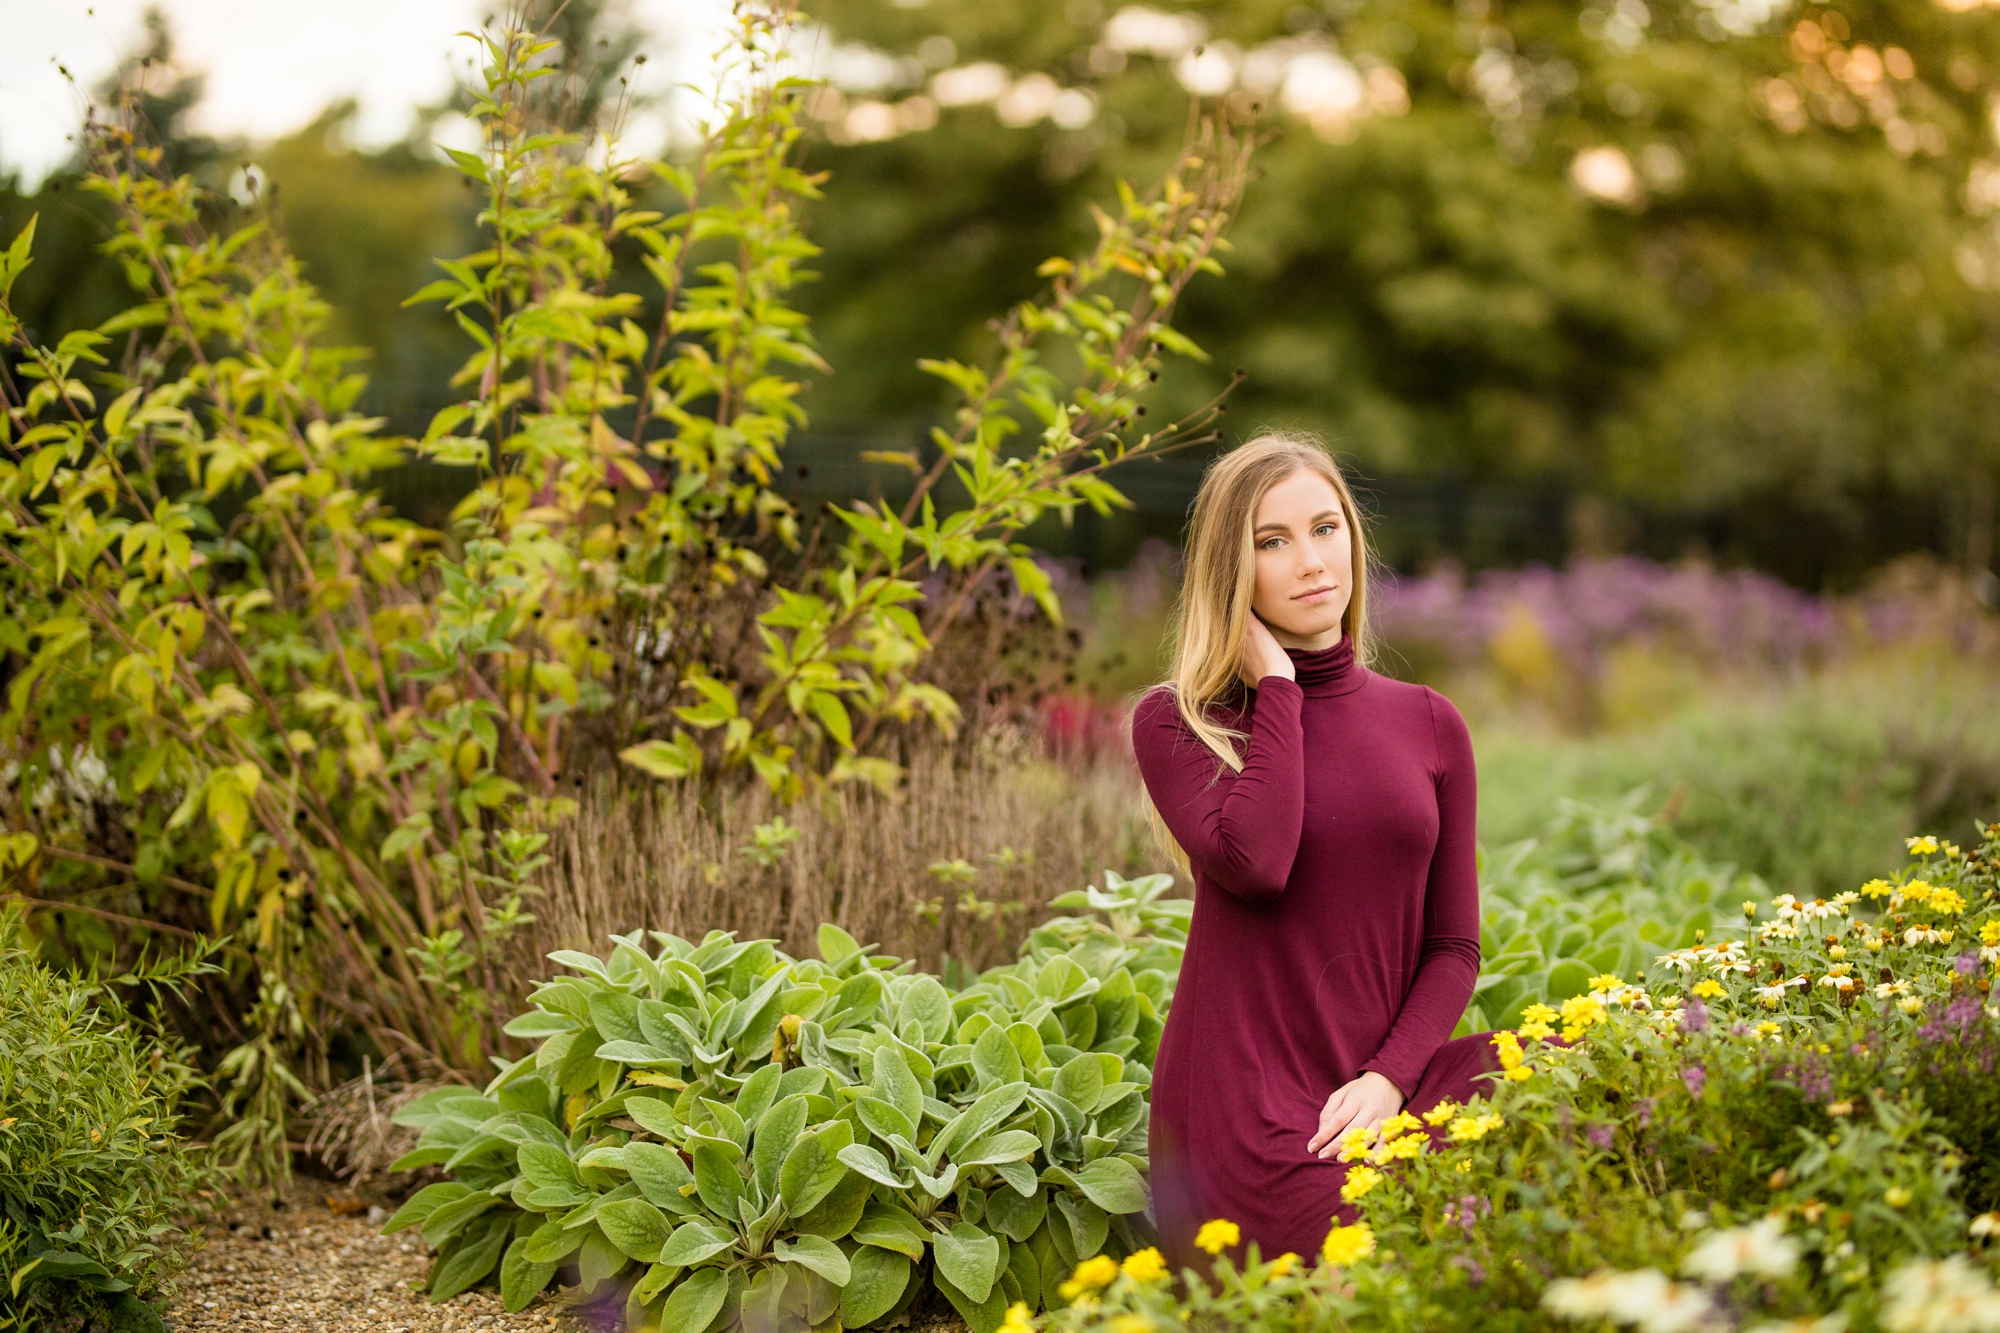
x=1789, y=1123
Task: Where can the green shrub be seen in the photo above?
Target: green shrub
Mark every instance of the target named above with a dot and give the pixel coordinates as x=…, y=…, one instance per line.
x=721, y=1133
x=95, y=1176
x=1810, y=786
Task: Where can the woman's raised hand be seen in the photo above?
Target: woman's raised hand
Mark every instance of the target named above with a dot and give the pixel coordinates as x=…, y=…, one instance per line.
x=1365, y=1102
x=1262, y=655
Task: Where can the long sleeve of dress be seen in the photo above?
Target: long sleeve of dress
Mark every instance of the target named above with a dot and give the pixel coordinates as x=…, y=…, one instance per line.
x=1240, y=830
x=1449, y=965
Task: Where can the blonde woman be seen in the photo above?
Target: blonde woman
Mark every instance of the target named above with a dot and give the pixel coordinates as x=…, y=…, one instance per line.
x=1326, y=814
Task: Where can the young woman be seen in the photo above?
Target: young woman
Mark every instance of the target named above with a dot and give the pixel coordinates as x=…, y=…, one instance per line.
x=1326, y=814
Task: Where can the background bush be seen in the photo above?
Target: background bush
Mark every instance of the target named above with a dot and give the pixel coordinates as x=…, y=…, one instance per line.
x=98, y=1181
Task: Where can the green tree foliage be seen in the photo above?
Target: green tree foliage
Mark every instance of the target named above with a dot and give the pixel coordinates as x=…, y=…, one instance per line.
x=1782, y=293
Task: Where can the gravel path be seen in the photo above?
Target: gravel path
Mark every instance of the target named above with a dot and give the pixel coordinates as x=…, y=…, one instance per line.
x=315, y=1262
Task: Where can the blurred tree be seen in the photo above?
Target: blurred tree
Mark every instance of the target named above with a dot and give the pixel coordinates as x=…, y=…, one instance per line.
x=1706, y=254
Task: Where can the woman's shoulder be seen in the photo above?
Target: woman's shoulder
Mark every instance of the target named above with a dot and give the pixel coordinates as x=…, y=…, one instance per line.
x=1159, y=728
x=1417, y=701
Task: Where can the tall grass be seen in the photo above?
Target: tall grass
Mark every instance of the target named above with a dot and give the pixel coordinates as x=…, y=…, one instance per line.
x=950, y=871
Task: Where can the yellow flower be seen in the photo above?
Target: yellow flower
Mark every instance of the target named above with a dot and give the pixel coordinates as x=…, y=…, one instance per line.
x=1749, y=909
x=1355, y=1141
x=1917, y=891
x=1946, y=901
x=1522, y=1073
x=1581, y=1011
x=1710, y=989
x=1131, y=1323
x=1146, y=1265
x=1400, y=1123
x=1360, y=1179
x=1896, y=1196
x=1604, y=981
x=1990, y=932
x=1442, y=1112
x=1467, y=1128
x=1089, y=1276
x=1538, y=1013
x=1909, y=1004
x=1924, y=846
x=1217, y=1236
x=1018, y=1319
x=1347, y=1245
x=1878, y=888
x=1402, y=1150
x=1767, y=1029
x=1282, y=1265
x=1536, y=1031
x=1465, y=1165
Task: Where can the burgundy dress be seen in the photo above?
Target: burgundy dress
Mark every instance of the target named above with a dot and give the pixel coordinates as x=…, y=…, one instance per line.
x=1335, y=930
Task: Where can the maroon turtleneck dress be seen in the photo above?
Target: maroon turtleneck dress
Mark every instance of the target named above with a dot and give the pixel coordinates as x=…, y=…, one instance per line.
x=1335, y=931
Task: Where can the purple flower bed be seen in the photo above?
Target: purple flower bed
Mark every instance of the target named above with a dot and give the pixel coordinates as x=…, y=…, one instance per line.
x=1731, y=620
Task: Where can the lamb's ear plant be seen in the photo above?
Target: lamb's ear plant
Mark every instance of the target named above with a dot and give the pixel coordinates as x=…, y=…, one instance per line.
x=97, y=1180
x=343, y=732
x=724, y=1134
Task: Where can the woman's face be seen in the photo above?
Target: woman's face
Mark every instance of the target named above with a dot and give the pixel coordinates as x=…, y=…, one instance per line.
x=1305, y=562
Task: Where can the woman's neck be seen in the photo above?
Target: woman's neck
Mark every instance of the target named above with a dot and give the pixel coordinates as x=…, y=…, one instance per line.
x=1314, y=643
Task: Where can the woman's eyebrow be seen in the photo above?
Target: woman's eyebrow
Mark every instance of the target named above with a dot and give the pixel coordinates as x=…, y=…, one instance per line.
x=1280, y=527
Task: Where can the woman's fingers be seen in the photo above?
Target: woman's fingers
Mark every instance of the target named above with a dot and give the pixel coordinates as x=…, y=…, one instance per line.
x=1334, y=1118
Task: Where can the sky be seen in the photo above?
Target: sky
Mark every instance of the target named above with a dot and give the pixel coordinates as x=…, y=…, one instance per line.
x=273, y=65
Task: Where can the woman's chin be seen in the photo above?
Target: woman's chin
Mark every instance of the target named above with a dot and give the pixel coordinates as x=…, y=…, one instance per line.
x=1309, y=633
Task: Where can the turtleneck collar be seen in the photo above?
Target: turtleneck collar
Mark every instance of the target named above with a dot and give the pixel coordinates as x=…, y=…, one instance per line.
x=1329, y=670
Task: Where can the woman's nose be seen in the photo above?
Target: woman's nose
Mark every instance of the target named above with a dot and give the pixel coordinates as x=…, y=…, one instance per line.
x=1310, y=561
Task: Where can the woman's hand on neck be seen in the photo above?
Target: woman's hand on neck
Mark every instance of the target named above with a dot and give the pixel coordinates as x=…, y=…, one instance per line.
x=1264, y=655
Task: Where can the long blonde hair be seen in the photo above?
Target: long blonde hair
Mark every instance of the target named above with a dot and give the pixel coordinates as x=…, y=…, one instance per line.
x=1213, y=612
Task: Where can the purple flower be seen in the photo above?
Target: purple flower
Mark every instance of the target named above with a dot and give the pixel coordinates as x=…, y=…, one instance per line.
x=1694, y=1018
x=1599, y=1135
x=1694, y=1076
x=1967, y=963
x=1473, y=1272
x=1643, y=1110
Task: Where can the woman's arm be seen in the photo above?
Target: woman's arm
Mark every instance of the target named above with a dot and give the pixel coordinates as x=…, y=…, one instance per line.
x=1240, y=830
x=1449, y=965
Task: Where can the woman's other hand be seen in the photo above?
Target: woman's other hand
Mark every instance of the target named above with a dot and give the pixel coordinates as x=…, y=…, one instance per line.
x=1262, y=656
x=1365, y=1102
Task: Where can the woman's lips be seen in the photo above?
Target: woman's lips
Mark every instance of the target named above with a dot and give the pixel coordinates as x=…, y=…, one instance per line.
x=1314, y=597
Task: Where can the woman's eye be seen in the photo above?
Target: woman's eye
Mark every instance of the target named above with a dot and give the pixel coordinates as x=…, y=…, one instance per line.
x=1325, y=530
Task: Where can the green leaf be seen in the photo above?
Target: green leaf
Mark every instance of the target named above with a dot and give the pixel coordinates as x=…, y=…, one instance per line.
x=659, y=1172
x=969, y=1258
x=872, y=1164
x=1009, y=1145
x=1080, y=1081
x=636, y=1227
x=1113, y=1184
x=667, y=760
x=779, y=1130
x=423, y=1203
x=892, y=1228
x=877, y=1282
x=895, y=1084
x=1015, y=1216
x=821, y=1256
x=521, y=1278
x=815, y=1165
x=836, y=946
x=982, y=1316
x=694, y=1304
x=715, y=1176
x=471, y=1261
x=693, y=1242
x=552, y=1242
x=994, y=1058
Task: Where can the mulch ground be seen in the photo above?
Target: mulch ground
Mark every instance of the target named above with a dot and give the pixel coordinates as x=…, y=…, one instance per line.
x=316, y=1261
